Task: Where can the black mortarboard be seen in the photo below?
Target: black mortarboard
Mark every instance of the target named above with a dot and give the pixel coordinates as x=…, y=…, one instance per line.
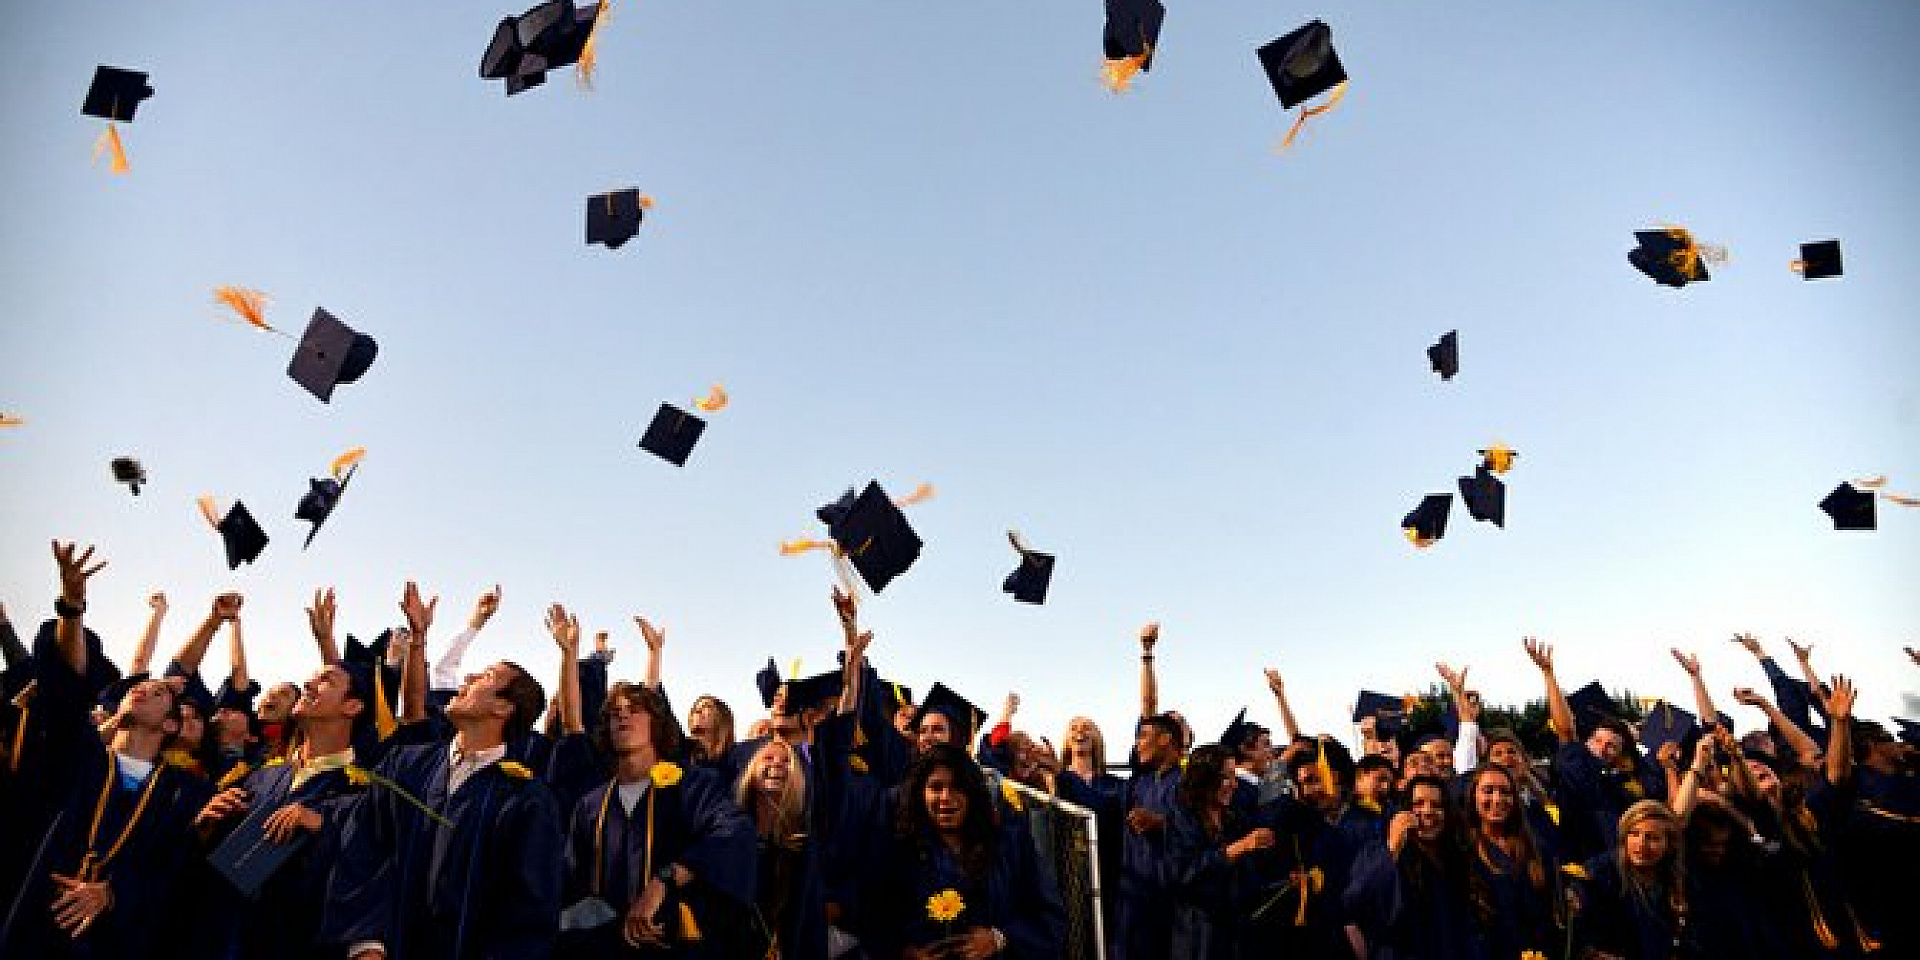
x=1485, y=496
x=116, y=94
x=1819, y=260
x=330, y=353
x=322, y=496
x=1850, y=507
x=247, y=858
x=873, y=534
x=1240, y=731
x=672, y=434
x=1428, y=521
x=1909, y=731
x=900, y=692
x=193, y=689
x=814, y=691
x=127, y=470
x=243, y=536
x=768, y=683
x=1591, y=704
x=1028, y=581
x=962, y=714
x=1377, y=706
x=613, y=218
x=547, y=37
x=1661, y=254
x=1133, y=29
x=1302, y=64
x=1665, y=724
x=1445, y=355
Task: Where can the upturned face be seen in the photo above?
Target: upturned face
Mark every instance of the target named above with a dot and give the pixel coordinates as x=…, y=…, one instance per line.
x=193, y=727
x=233, y=727
x=1504, y=754
x=149, y=703
x=701, y=719
x=1080, y=735
x=480, y=696
x=629, y=728
x=1647, y=843
x=1429, y=812
x=324, y=697
x=276, y=705
x=946, y=803
x=1493, y=799
x=1764, y=778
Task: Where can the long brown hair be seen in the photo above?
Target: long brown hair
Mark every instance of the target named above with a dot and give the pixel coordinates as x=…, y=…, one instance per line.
x=789, y=808
x=714, y=746
x=663, y=728
x=1671, y=874
x=1526, y=851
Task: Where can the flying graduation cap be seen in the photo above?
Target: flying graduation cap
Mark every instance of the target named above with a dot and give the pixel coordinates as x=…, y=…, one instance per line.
x=1303, y=65
x=870, y=532
x=1028, y=582
x=127, y=470
x=549, y=36
x=673, y=432
x=1672, y=257
x=113, y=97
x=1444, y=355
x=1850, y=507
x=614, y=218
x=1485, y=496
x=1132, y=33
x=330, y=353
x=242, y=535
x=323, y=495
x=1818, y=260
x=1428, y=521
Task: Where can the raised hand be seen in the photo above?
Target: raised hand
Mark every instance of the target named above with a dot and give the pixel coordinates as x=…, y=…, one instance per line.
x=320, y=615
x=1397, y=830
x=1840, y=700
x=1748, y=697
x=1456, y=680
x=1008, y=709
x=564, y=628
x=419, y=615
x=656, y=637
x=857, y=647
x=1274, y=683
x=1149, y=635
x=226, y=607
x=600, y=647
x=158, y=602
x=1540, y=653
x=1800, y=653
x=1689, y=663
x=74, y=571
x=484, y=608
x=847, y=609
x=1750, y=642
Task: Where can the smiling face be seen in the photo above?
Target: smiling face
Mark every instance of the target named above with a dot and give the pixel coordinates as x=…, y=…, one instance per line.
x=1493, y=798
x=934, y=729
x=946, y=803
x=903, y=719
x=1429, y=805
x=1441, y=753
x=701, y=719
x=149, y=706
x=1152, y=744
x=480, y=697
x=1374, y=785
x=1764, y=778
x=772, y=768
x=1505, y=754
x=1229, y=780
x=1647, y=843
x=1606, y=745
x=276, y=705
x=327, y=695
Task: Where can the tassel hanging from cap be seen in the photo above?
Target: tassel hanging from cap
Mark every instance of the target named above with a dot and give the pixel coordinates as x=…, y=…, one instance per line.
x=1901, y=500
x=920, y=494
x=716, y=398
x=115, y=150
x=1117, y=75
x=1339, y=92
x=347, y=461
x=9, y=420
x=249, y=304
x=208, y=510
x=689, y=928
x=384, y=723
x=590, y=52
x=792, y=548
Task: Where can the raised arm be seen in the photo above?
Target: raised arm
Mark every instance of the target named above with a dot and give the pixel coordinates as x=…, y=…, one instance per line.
x=565, y=630
x=850, y=672
x=413, y=678
x=1803, y=746
x=225, y=609
x=1279, y=688
x=1840, y=732
x=446, y=671
x=1701, y=698
x=143, y=654
x=656, y=640
x=1563, y=726
x=238, y=678
x=1466, y=745
x=10, y=645
x=70, y=634
x=1149, y=686
x=1814, y=687
x=1690, y=784
x=320, y=621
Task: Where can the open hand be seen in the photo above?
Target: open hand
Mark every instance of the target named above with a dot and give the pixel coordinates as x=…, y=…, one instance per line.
x=419, y=615
x=1748, y=697
x=564, y=628
x=74, y=571
x=1689, y=663
x=1750, y=642
x=1840, y=700
x=321, y=614
x=1274, y=683
x=1800, y=653
x=79, y=904
x=1540, y=653
x=656, y=637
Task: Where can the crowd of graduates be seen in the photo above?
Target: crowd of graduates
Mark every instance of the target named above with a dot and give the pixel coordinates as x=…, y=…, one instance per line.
x=390, y=806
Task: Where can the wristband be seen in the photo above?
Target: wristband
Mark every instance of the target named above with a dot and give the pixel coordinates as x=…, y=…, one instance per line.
x=999, y=939
x=68, y=611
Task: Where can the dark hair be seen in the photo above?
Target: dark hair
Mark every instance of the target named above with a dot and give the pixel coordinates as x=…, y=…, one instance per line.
x=1250, y=733
x=663, y=728
x=1339, y=762
x=1526, y=848
x=1372, y=762
x=978, y=831
x=1201, y=779
x=528, y=698
x=1163, y=722
x=1446, y=868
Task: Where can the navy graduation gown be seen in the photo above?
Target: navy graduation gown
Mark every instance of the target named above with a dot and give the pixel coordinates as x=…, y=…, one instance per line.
x=1517, y=916
x=1424, y=917
x=1209, y=891
x=486, y=888
x=695, y=824
x=1592, y=796
x=1615, y=919
x=1010, y=898
x=1145, y=913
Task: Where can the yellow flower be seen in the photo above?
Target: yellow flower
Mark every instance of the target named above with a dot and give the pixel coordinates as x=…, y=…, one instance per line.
x=1575, y=871
x=1553, y=813
x=358, y=776
x=857, y=765
x=664, y=774
x=515, y=770
x=1316, y=879
x=277, y=762
x=1012, y=797
x=1533, y=955
x=945, y=906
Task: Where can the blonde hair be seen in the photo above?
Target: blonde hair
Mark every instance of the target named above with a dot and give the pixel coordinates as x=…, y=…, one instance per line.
x=1671, y=874
x=1099, y=744
x=790, y=807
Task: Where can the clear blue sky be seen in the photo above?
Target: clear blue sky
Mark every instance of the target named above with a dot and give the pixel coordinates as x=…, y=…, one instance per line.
x=918, y=241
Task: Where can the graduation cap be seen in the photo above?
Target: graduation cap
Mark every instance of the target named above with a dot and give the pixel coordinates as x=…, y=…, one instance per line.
x=373, y=683
x=1591, y=704
x=1850, y=507
x=1485, y=496
x=243, y=537
x=116, y=93
x=1303, y=65
x=1388, y=712
x=1909, y=731
x=1240, y=732
x=965, y=718
x=1028, y=582
x=330, y=353
x=1666, y=723
x=614, y=218
x=1428, y=521
x=672, y=434
x=1444, y=355
x=127, y=470
x=815, y=690
x=193, y=689
x=767, y=681
x=1670, y=257
x=324, y=494
x=1132, y=32
x=870, y=532
x=1818, y=260
x=900, y=693
x=549, y=36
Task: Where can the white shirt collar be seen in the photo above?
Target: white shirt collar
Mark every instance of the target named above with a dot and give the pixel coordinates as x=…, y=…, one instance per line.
x=461, y=765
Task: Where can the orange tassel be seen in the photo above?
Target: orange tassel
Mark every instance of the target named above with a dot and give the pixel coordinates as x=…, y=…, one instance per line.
x=1903, y=501
x=590, y=52
x=116, y=151
x=790, y=548
x=1117, y=75
x=920, y=493
x=251, y=305
x=8, y=420
x=1339, y=92
x=207, y=510
x=1871, y=483
x=716, y=399
x=689, y=930
x=345, y=461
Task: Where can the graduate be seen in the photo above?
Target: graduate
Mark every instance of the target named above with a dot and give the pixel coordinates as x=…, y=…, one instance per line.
x=1632, y=901
x=1319, y=829
x=957, y=882
x=1515, y=886
x=1144, y=915
x=1595, y=780
x=460, y=858
x=1208, y=845
x=1411, y=897
x=709, y=732
x=773, y=790
x=659, y=860
x=304, y=799
x=115, y=832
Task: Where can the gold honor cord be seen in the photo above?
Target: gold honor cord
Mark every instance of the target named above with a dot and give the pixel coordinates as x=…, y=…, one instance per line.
x=91, y=866
x=1339, y=93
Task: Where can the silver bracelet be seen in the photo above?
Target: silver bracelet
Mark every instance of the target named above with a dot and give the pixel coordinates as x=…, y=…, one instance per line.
x=999, y=940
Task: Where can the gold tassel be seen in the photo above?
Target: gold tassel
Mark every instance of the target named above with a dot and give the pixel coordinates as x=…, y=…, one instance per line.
x=1797, y=266
x=920, y=494
x=1820, y=928
x=1326, y=769
x=345, y=461
x=715, y=400
x=590, y=52
x=1117, y=75
x=251, y=305
x=1903, y=501
x=8, y=420
x=1871, y=483
x=116, y=151
x=1499, y=457
x=207, y=510
x=789, y=548
x=1339, y=92
x=1414, y=537
x=689, y=929
x=384, y=723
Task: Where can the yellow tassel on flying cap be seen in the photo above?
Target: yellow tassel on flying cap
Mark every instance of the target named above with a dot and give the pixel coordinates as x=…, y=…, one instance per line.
x=794, y=674
x=251, y=305
x=1311, y=112
x=791, y=548
x=207, y=510
x=1413, y=536
x=1499, y=457
x=920, y=493
x=8, y=420
x=1871, y=483
x=590, y=52
x=346, y=461
x=116, y=151
x=1903, y=501
x=715, y=400
x=1117, y=75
